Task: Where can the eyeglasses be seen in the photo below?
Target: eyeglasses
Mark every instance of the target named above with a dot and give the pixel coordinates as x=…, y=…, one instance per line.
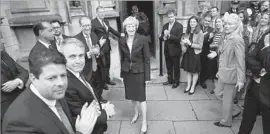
x=56, y=28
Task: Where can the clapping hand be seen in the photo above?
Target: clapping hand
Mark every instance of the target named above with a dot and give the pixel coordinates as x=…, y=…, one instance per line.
x=109, y=108
x=212, y=54
x=211, y=35
x=86, y=121
x=102, y=41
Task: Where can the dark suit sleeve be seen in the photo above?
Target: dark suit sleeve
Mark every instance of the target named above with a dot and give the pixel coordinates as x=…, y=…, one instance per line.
x=121, y=53
x=74, y=101
x=76, y=104
x=146, y=54
x=265, y=59
x=253, y=62
x=177, y=36
x=21, y=73
x=116, y=33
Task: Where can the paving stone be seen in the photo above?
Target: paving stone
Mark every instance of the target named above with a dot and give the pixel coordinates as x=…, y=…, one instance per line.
x=170, y=110
x=157, y=111
x=200, y=127
x=154, y=127
x=257, y=129
x=113, y=127
x=155, y=92
x=178, y=93
x=207, y=109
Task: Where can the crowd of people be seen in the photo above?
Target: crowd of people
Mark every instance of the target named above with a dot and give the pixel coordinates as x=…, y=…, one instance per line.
x=68, y=74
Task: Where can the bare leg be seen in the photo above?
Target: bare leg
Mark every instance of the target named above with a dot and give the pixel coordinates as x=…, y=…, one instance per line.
x=136, y=112
x=194, y=81
x=188, y=81
x=144, y=115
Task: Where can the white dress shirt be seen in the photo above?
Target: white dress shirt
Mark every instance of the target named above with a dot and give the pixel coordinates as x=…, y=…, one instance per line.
x=50, y=103
x=44, y=43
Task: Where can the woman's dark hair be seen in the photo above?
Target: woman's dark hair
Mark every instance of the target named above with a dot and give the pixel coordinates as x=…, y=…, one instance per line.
x=197, y=28
x=245, y=15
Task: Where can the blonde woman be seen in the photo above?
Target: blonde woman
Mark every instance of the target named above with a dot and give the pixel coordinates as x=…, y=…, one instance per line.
x=231, y=70
x=135, y=68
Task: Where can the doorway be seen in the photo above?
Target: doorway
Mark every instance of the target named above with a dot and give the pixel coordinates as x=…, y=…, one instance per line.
x=147, y=8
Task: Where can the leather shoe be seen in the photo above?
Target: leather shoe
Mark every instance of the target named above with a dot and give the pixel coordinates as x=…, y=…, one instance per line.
x=220, y=125
x=175, y=85
x=106, y=87
x=103, y=100
x=111, y=82
x=167, y=83
x=204, y=86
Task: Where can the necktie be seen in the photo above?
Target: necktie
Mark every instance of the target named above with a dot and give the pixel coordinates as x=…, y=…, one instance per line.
x=64, y=118
x=103, y=23
x=94, y=61
x=89, y=87
x=59, y=41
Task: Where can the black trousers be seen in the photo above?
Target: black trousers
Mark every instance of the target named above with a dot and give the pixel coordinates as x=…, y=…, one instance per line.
x=173, y=68
x=107, y=65
x=98, y=81
x=252, y=107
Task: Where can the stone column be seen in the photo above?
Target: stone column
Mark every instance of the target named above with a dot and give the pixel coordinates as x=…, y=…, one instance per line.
x=11, y=42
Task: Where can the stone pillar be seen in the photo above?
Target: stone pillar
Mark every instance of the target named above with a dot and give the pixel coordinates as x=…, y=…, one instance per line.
x=11, y=42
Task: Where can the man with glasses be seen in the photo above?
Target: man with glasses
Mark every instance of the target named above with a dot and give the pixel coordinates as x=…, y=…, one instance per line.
x=94, y=69
x=44, y=34
x=58, y=35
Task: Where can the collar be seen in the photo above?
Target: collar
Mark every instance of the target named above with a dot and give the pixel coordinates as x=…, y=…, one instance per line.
x=44, y=43
x=172, y=23
x=50, y=103
x=60, y=36
x=100, y=20
x=77, y=74
x=85, y=36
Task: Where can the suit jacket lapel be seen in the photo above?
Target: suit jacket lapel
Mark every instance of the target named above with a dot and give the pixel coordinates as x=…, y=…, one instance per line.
x=135, y=42
x=44, y=109
x=81, y=85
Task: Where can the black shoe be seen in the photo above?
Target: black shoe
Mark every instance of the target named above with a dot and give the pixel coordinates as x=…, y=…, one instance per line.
x=167, y=83
x=111, y=82
x=106, y=87
x=191, y=93
x=234, y=116
x=220, y=125
x=103, y=100
x=212, y=92
x=175, y=85
x=204, y=86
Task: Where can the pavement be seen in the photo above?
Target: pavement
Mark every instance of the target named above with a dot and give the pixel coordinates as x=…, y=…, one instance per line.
x=171, y=111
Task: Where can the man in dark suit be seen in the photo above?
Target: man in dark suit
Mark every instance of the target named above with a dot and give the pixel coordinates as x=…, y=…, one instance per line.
x=208, y=39
x=44, y=34
x=79, y=90
x=94, y=69
x=42, y=109
x=102, y=28
x=257, y=99
x=13, y=79
x=58, y=35
x=171, y=35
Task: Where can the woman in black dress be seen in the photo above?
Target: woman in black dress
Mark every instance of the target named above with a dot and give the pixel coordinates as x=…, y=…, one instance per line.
x=191, y=62
x=135, y=68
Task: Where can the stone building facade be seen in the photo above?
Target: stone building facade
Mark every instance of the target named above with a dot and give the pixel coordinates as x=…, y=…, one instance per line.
x=19, y=17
